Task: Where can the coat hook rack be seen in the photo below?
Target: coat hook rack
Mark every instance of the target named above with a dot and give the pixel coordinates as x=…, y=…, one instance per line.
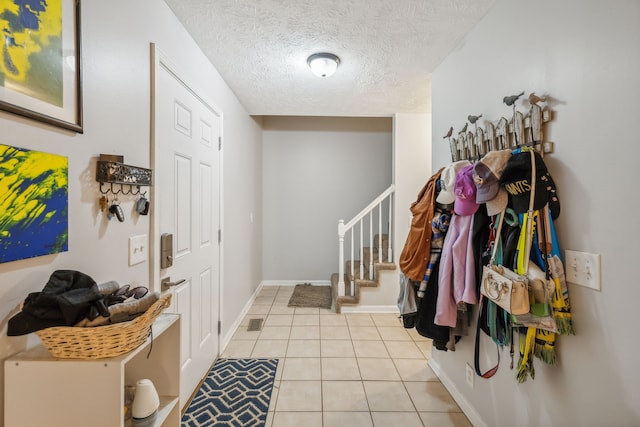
x=520, y=130
x=115, y=177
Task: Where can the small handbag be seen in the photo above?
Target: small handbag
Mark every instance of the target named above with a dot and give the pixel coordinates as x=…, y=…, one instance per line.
x=504, y=287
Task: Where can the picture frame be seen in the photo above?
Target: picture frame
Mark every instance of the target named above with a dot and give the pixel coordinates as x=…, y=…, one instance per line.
x=41, y=68
x=34, y=220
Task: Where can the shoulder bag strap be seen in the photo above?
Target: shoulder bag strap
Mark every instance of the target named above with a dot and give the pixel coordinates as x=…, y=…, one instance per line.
x=476, y=354
x=497, y=239
x=529, y=221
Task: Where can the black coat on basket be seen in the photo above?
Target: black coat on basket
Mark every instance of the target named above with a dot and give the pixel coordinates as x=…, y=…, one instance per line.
x=67, y=298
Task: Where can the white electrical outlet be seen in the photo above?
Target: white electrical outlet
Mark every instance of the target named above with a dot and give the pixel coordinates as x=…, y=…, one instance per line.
x=470, y=375
x=138, y=249
x=583, y=269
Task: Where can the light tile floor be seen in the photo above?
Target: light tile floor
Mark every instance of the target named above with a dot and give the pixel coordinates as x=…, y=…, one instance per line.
x=335, y=370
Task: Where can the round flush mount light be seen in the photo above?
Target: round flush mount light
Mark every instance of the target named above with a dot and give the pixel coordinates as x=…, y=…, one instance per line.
x=323, y=64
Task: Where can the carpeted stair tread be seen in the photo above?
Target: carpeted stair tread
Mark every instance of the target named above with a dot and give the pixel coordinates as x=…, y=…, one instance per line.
x=364, y=283
x=386, y=266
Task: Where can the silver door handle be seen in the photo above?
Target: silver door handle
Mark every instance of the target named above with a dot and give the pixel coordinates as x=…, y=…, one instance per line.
x=166, y=283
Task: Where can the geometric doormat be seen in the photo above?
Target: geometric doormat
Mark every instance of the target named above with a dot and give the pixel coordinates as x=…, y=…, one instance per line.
x=235, y=393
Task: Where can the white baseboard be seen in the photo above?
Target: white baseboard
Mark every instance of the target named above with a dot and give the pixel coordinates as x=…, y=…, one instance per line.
x=370, y=309
x=466, y=407
x=232, y=330
x=294, y=282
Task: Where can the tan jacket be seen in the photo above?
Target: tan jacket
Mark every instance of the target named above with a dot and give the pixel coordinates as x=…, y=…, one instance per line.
x=417, y=248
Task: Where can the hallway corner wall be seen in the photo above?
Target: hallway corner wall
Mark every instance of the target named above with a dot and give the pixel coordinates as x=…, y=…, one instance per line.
x=585, y=56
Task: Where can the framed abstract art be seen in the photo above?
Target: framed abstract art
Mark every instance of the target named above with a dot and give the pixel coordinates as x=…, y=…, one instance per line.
x=33, y=203
x=40, y=67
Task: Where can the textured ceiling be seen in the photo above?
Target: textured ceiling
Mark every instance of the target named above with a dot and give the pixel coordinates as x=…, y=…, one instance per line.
x=388, y=50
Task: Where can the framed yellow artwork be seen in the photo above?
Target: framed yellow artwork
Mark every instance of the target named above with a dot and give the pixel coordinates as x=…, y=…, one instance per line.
x=40, y=67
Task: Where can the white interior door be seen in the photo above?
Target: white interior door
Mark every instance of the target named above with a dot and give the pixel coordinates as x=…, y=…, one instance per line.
x=186, y=182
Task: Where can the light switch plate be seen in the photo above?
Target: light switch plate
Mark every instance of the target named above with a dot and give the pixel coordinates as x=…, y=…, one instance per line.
x=138, y=249
x=583, y=269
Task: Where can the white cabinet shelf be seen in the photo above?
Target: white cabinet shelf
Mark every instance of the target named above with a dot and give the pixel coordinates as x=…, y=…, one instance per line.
x=41, y=390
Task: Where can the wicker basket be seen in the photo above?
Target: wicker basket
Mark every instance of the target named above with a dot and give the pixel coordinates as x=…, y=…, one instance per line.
x=71, y=342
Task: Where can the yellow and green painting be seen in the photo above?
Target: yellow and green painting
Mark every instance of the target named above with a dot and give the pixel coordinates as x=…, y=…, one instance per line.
x=32, y=57
x=33, y=203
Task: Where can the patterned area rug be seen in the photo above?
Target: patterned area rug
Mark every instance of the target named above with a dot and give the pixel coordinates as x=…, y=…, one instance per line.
x=308, y=295
x=235, y=393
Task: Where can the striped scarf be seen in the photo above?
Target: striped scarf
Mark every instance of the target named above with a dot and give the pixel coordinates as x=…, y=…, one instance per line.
x=539, y=342
x=439, y=227
x=561, y=305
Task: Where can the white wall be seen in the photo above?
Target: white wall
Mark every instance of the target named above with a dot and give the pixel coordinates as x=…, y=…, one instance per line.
x=411, y=170
x=116, y=66
x=586, y=56
x=317, y=170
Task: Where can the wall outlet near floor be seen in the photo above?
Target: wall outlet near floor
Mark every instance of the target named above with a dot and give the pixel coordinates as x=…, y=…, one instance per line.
x=470, y=375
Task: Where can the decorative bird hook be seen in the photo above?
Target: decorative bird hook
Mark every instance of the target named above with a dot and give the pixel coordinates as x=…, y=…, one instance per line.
x=448, y=135
x=511, y=100
x=534, y=99
x=473, y=120
x=464, y=129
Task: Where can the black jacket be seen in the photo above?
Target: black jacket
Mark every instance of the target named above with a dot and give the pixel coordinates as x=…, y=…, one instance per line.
x=64, y=301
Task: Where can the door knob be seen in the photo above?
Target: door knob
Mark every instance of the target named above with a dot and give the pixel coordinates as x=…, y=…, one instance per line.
x=166, y=283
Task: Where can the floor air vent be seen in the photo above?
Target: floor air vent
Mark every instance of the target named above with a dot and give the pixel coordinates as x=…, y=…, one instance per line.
x=255, y=325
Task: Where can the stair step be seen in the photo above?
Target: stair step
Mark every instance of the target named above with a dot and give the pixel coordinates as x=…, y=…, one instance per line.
x=356, y=269
x=386, y=266
x=365, y=268
x=366, y=283
x=385, y=240
x=352, y=288
x=372, y=253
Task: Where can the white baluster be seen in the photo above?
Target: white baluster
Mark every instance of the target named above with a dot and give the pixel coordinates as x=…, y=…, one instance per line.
x=371, y=246
x=352, y=271
x=361, y=272
x=389, y=248
x=380, y=232
x=341, y=258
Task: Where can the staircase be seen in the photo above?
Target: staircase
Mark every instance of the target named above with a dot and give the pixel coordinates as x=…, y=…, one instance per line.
x=374, y=252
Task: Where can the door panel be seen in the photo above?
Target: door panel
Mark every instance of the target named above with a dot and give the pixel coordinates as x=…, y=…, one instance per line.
x=182, y=206
x=182, y=119
x=186, y=175
x=206, y=321
x=206, y=205
x=181, y=304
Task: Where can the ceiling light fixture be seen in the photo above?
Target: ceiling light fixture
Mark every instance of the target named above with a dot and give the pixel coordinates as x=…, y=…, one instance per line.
x=323, y=64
